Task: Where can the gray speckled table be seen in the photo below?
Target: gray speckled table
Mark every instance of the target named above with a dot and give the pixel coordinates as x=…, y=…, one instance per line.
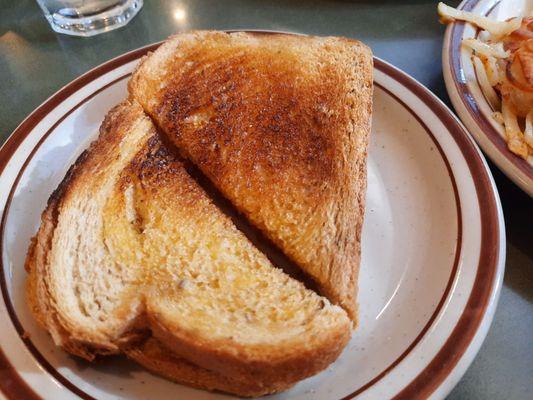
x=35, y=62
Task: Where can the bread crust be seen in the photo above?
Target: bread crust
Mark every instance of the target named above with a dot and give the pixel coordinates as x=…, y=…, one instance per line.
x=275, y=366
x=155, y=357
x=280, y=124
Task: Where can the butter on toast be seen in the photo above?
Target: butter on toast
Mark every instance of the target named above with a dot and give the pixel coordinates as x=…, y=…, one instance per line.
x=131, y=254
x=279, y=123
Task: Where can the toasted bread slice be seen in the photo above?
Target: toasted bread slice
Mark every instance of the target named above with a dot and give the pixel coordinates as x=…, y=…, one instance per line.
x=280, y=124
x=130, y=246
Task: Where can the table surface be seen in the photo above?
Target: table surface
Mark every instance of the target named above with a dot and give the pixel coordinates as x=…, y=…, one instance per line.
x=35, y=62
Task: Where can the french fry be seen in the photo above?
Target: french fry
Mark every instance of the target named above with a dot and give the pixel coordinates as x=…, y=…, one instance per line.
x=495, y=72
x=498, y=117
x=488, y=50
x=497, y=29
x=528, y=132
x=485, y=85
x=515, y=138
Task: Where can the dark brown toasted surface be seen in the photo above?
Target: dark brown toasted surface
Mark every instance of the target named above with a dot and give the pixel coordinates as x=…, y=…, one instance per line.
x=280, y=124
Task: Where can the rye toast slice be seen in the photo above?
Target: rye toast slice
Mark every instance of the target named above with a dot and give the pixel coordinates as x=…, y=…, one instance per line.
x=280, y=124
x=131, y=248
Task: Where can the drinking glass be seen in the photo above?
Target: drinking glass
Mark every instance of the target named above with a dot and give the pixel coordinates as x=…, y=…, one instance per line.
x=88, y=17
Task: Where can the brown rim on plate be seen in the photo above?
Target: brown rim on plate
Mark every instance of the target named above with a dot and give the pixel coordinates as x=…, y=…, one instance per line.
x=461, y=335
x=11, y=383
x=453, y=272
x=468, y=100
x=457, y=343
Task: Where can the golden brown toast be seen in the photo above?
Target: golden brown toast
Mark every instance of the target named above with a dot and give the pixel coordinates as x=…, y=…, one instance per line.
x=131, y=249
x=280, y=124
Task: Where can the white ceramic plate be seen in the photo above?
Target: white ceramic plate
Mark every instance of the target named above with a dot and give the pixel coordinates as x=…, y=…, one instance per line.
x=466, y=95
x=433, y=251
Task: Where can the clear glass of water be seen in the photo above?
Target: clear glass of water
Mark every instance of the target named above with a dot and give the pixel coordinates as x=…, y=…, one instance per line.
x=88, y=17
